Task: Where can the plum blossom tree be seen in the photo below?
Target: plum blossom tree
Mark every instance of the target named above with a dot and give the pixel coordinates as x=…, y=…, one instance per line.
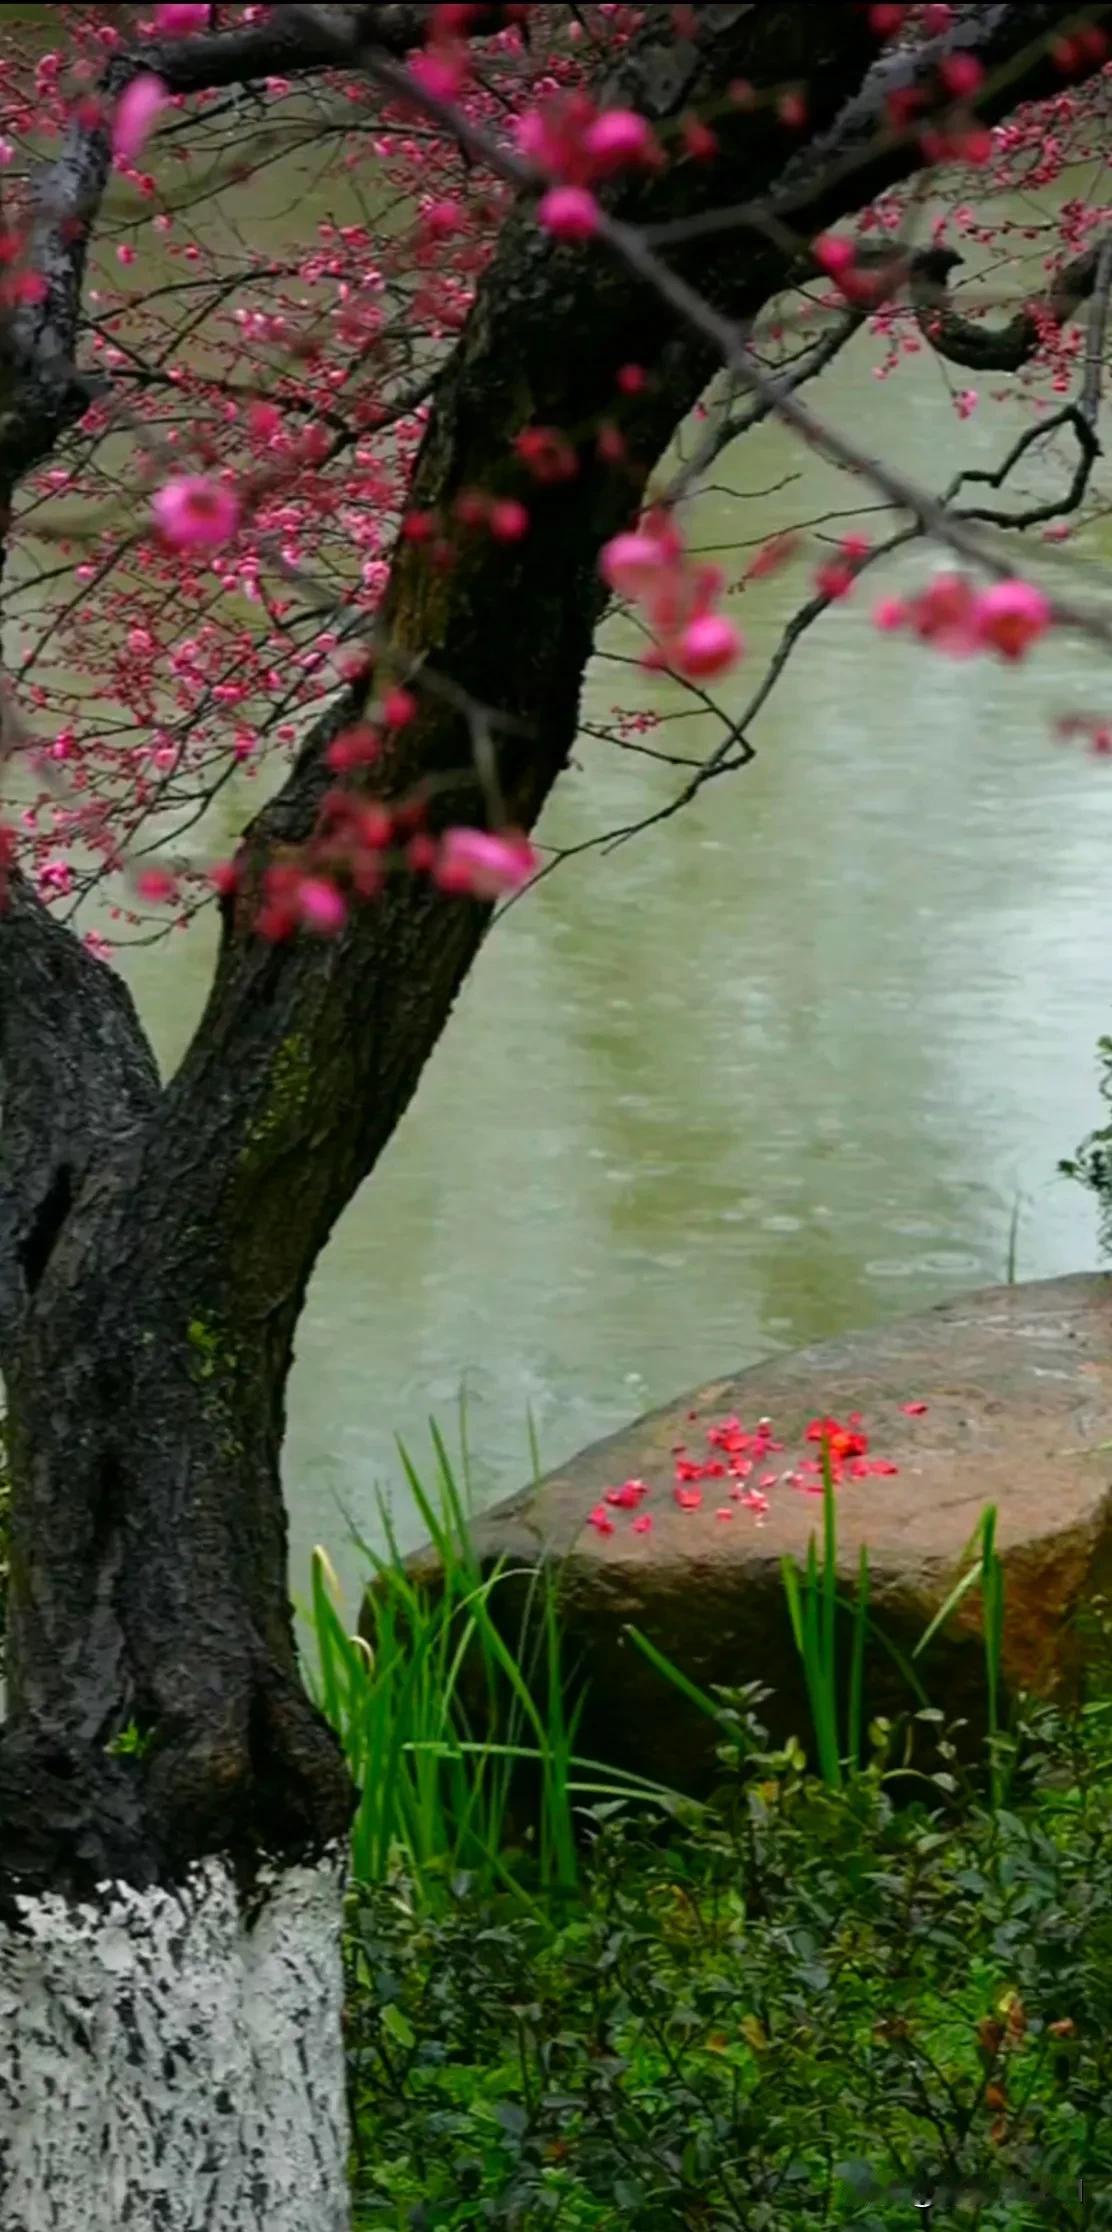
x=359, y=541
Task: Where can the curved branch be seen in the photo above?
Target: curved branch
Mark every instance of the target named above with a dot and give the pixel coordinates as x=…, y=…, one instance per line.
x=963, y=340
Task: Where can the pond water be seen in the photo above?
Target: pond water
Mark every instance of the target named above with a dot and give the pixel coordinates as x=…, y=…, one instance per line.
x=777, y=1067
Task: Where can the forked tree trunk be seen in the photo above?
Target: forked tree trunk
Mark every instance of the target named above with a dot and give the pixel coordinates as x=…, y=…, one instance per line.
x=173, y=1811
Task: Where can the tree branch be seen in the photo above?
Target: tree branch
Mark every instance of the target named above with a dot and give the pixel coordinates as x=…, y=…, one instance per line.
x=850, y=162
x=1002, y=348
x=733, y=423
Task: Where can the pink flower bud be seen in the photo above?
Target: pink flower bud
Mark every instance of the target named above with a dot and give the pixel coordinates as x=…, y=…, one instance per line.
x=630, y=564
x=568, y=212
x=155, y=884
x=443, y=218
x=833, y=254
x=398, y=708
x=442, y=75
x=961, y=74
x=136, y=109
x=708, y=645
x=482, y=865
x=320, y=906
x=617, y=138
x=509, y=520
x=1011, y=616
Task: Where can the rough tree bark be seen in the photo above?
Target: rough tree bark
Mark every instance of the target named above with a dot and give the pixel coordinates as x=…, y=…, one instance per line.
x=169, y=1977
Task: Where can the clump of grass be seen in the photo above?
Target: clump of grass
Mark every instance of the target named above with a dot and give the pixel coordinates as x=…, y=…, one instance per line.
x=814, y=1605
x=445, y=1710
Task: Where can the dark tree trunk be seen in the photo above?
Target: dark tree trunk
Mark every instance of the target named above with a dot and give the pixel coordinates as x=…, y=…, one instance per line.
x=148, y=1587
x=171, y=1809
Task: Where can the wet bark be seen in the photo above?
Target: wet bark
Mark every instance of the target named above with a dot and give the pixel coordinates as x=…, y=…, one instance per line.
x=1004, y=347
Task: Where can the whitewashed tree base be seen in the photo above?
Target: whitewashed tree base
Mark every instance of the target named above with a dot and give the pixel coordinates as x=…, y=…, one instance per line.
x=170, y=2062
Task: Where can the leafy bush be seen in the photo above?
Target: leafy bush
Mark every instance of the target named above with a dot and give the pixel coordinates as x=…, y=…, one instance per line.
x=878, y=2005
x=1091, y=1164
x=876, y=1996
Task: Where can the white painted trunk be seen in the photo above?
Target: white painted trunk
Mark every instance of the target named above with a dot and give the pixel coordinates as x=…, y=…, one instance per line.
x=172, y=2062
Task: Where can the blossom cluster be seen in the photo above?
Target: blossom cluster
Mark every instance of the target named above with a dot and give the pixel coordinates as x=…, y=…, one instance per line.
x=960, y=619
x=359, y=841
x=651, y=567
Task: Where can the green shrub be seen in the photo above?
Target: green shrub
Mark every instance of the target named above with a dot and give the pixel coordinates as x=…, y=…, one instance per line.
x=803, y=2005
x=875, y=1996
x=1091, y=1163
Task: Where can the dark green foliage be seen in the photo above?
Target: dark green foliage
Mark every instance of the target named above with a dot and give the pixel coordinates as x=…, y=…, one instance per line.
x=1092, y=1162
x=880, y=2005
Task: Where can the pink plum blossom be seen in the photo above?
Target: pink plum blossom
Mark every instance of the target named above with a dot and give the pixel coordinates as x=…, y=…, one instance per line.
x=195, y=513
x=569, y=212
x=619, y=137
x=509, y=520
x=708, y=645
x=156, y=884
x=959, y=619
x=650, y=567
x=1011, y=616
x=631, y=564
x=833, y=254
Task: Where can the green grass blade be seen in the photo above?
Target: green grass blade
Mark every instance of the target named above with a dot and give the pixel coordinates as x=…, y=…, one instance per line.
x=674, y=1674
x=855, y=1707
x=829, y=1596
x=957, y=1595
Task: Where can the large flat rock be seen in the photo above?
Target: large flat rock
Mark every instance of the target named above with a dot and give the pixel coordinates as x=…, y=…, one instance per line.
x=1017, y=1387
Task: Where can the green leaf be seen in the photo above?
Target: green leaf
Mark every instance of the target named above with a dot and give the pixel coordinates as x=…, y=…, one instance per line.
x=397, y=2026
